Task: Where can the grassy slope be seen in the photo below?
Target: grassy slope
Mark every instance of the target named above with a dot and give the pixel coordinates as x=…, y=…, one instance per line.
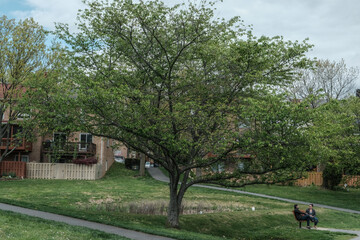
x=37, y=229
x=343, y=199
x=102, y=201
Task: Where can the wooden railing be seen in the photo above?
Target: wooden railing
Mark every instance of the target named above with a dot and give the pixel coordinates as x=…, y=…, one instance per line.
x=88, y=149
x=19, y=144
x=64, y=171
x=19, y=168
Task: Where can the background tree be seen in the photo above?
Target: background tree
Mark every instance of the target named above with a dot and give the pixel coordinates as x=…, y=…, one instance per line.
x=325, y=81
x=276, y=138
x=335, y=139
x=23, y=56
x=170, y=82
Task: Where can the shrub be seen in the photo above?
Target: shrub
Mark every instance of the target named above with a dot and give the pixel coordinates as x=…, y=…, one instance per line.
x=332, y=176
x=86, y=161
x=8, y=175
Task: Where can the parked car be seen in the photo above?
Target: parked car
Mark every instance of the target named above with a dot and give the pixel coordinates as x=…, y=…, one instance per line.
x=147, y=165
x=119, y=159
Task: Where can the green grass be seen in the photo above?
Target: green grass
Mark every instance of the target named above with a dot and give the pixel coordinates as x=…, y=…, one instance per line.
x=108, y=201
x=343, y=199
x=16, y=226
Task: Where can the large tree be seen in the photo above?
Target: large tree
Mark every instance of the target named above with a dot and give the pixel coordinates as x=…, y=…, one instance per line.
x=171, y=83
x=24, y=56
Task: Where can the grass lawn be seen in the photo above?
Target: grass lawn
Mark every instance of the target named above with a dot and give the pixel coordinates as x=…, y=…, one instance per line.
x=16, y=226
x=349, y=199
x=122, y=199
x=341, y=198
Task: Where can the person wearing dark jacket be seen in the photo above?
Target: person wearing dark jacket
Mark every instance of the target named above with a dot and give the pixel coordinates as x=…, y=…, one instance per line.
x=300, y=215
x=312, y=213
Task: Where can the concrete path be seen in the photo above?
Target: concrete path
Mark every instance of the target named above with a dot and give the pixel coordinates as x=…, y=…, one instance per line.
x=343, y=231
x=83, y=223
x=157, y=174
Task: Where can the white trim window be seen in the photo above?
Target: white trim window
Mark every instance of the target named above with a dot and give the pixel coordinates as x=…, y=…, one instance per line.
x=23, y=158
x=85, y=140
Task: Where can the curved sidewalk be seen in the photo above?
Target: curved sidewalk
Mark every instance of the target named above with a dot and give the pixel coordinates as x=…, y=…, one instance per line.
x=83, y=223
x=157, y=174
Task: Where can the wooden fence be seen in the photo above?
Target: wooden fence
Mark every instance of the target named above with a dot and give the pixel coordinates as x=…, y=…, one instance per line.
x=351, y=180
x=64, y=171
x=19, y=168
x=316, y=178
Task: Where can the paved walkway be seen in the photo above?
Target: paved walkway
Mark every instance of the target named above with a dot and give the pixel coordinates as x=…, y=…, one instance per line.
x=343, y=231
x=157, y=174
x=83, y=223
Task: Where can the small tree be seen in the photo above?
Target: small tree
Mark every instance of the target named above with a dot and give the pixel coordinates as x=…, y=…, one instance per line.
x=26, y=62
x=335, y=139
x=171, y=83
x=276, y=138
x=325, y=81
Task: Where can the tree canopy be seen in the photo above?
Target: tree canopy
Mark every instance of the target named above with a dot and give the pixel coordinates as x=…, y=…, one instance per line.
x=175, y=84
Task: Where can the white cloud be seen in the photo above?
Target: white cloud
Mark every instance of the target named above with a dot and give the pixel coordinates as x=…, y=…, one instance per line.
x=332, y=25
x=47, y=12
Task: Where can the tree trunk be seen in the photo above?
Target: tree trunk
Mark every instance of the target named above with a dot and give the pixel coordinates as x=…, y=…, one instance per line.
x=174, y=205
x=142, y=165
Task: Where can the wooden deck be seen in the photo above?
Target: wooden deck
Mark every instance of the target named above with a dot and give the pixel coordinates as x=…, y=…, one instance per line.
x=20, y=145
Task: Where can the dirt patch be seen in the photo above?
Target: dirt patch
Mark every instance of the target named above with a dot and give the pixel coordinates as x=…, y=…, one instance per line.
x=160, y=207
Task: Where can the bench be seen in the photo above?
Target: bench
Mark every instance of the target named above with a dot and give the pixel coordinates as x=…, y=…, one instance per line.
x=300, y=221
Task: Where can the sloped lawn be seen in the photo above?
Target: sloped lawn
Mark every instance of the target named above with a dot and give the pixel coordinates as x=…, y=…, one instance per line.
x=123, y=199
x=16, y=226
x=349, y=198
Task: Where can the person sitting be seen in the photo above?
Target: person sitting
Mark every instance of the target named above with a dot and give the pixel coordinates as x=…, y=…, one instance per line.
x=312, y=213
x=300, y=215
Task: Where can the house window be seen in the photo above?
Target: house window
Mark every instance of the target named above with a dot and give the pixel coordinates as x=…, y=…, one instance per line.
x=85, y=140
x=16, y=130
x=23, y=116
x=241, y=166
x=243, y=125
x=23, y=158
x=60, y=140
x=59, y=137
x=218, y=168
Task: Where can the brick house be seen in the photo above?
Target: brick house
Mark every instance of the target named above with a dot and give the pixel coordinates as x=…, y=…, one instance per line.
x=53, y=148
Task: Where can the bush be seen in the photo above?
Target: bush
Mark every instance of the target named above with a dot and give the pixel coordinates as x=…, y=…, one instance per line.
x=8, y=175
x=332, y=176
x=86, y=161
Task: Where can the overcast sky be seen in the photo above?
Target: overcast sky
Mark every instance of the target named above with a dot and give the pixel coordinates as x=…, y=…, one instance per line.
x=333, y=26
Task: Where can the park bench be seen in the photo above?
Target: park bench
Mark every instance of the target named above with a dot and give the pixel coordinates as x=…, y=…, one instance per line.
x=300, y=221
